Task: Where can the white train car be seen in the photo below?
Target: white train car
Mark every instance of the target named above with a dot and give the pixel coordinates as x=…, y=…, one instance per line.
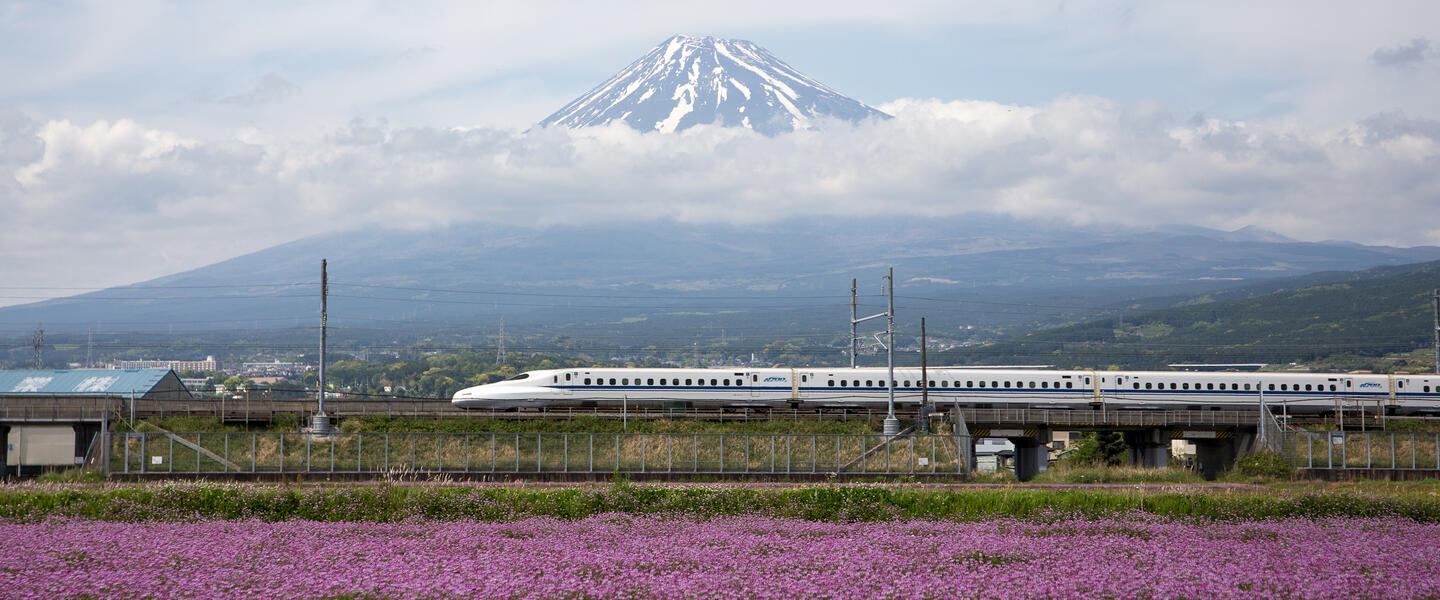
x=866, y=387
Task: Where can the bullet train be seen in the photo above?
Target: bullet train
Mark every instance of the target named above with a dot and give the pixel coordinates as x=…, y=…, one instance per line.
x=970, y=387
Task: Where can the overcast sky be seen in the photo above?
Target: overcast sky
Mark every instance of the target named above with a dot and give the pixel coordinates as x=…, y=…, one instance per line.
x=139, y=139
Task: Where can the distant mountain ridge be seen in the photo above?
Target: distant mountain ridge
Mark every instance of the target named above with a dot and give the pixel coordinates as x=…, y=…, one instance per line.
x=465, y=273
x=690, y=81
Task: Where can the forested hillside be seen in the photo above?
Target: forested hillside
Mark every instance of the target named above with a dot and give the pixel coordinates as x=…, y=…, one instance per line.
x=1363, y=319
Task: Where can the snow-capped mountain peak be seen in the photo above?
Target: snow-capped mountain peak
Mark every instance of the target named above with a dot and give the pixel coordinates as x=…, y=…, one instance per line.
x=689, y=81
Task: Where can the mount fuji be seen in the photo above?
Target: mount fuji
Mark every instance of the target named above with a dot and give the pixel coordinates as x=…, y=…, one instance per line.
x=689, y=81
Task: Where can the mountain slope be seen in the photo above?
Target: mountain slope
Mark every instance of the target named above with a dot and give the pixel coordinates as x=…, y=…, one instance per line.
x=689, y=81
x=1367, y=313
x=474, y=273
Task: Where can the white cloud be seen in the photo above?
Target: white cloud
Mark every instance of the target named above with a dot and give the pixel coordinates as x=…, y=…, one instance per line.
x=113, y=202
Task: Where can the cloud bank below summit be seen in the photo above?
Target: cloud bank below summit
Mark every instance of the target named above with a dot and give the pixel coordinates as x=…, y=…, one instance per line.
x=165, y=201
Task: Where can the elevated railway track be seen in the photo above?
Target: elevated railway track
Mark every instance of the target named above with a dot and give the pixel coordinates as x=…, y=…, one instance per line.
x=70, y=410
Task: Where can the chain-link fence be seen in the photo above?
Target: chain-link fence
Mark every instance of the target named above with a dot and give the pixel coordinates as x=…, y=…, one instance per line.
x=519, y=453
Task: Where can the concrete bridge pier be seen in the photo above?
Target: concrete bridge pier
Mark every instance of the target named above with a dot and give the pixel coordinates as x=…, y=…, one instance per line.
x=1149, y=448
x=5, y=453
x=1032, y=454
x=1216, y=455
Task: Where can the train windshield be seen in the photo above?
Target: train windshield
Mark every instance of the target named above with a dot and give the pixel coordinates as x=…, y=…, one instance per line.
x=519, y=377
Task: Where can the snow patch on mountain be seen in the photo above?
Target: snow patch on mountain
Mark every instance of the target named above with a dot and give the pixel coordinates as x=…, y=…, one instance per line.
x=688, y=81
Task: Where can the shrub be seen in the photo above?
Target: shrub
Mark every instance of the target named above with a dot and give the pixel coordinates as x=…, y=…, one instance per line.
x=1266, y=465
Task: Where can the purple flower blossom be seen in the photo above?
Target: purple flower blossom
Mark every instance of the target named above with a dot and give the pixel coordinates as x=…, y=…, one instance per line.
x=626, y=556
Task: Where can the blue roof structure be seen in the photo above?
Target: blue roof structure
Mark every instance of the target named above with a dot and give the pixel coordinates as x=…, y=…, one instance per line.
x=90, y=382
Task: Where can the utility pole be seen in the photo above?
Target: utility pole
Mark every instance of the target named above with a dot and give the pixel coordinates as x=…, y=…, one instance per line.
x=37, y=342
x=892, y=425
x=854, y=335
x=500, y=352
x=1437, y=331
x=90, y=349
x=320, y=423
x=922, y=424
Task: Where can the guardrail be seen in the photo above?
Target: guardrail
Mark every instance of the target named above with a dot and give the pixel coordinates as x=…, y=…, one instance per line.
x=375, y=453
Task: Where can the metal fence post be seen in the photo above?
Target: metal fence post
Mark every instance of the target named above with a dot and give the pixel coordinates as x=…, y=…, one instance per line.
x=253, y=446
x=1392, y=450
x=170, y=462
x=386, y=463
x=307, y=454
x=642, y=453
x=539, y=453
x=440, y=451
x=669, y=454
x=813, y=442
x=359, y=457
x=517, y=453
x=695, y=453
x=282, y=452
x=747, y=453
x=591, y=467
x=566, y=467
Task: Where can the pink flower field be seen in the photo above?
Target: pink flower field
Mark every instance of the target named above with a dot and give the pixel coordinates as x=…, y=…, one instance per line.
x=623, y=556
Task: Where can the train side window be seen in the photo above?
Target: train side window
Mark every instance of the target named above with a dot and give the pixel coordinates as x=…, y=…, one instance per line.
x=982, y=384
x=662, y=381
x=907, y=383
x=944, y=383
x=714, y=382
x=831, y=383
x=612, y=381
x=1209, y=386
x=994, y=384
x=1427, y=388
x=1332, y=387
x=1272, y=387
x=587, y=381
x=567, y=377
x=754, y=378
x=971, y=384
x=727, y=382
x=1136, y=384
x=869, y=383
x=842, y=383
x=1247, y=387
x=1307, y=387
x=649, y=382
x=689, y=382
x=1069, y=384
x=625, y=381
x=1147, y=385
x=932, y=384
x=1185, y=386
x=855, y=383
x=1007, y=385
x=1284, y=387
x=1044, y=385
